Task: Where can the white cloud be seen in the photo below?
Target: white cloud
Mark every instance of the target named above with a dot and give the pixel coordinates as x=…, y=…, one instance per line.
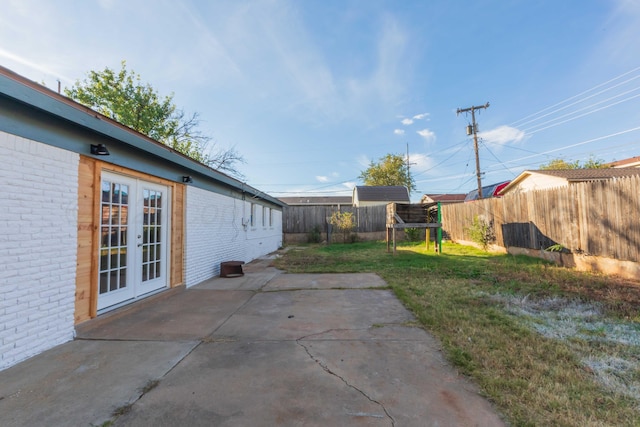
x=409, y=121
x=32, y=65
x=502, y=135
x=321, y=178
x=420, y=162
x=349, y=184
x=427, y=134
x=622, y=24
x=398, y=132
x=363, y=161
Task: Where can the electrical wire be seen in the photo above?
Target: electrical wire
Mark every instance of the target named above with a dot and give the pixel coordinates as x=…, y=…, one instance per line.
x=517, y=122
x=498, y=160
x=580, y=101
x=531, y=132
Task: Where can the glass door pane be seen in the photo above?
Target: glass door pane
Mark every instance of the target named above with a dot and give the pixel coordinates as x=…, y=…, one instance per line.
x=153, y=238
x=113, y=285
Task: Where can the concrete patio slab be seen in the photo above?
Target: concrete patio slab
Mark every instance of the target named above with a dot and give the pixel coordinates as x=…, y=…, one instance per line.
x=263, y=383
x=251, y=281
x=291, y=315
x=82, y=383
x=188, y=315
x=326, y=281
x=262, y=350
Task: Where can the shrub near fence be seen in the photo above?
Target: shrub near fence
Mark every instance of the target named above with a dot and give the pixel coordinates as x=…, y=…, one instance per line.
x=299, y=221
x=598, y=218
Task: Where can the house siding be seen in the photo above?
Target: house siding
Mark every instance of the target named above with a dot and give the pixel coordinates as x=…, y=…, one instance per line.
x=50, y=211
x=218, y=229
x=263, y=238
x=38, y=238
x=540, y=182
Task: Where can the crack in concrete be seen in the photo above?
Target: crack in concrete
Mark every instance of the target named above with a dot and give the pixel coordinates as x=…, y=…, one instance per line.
x=330, y=372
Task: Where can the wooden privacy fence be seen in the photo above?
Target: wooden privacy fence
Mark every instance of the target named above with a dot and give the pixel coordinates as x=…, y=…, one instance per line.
x=599, y=218
x=303, y=219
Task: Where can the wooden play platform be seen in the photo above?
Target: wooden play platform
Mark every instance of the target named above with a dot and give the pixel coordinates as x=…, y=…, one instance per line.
x=415, y=215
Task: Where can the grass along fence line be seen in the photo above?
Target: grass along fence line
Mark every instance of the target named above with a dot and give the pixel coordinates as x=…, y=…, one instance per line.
x=549, y=346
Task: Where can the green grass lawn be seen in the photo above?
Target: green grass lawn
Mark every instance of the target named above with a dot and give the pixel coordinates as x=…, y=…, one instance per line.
x=476, y=304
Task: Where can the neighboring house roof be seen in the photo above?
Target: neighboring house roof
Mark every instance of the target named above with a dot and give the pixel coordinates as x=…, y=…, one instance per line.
x=632, y=162
x=579, y=175
x=317, y=200
x=381, y=193
x=443, y=198
x=39, y=97
x=563, y=177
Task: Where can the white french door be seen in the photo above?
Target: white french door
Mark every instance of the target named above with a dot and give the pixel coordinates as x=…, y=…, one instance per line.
x=133, y=239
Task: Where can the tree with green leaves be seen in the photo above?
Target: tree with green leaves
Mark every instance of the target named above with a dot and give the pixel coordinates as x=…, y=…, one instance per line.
x=592, y=163
x=122, y=96
x=391, y=169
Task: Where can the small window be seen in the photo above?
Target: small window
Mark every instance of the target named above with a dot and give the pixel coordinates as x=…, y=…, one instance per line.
x=270, y=217
x=264, y=216
x=253, y=215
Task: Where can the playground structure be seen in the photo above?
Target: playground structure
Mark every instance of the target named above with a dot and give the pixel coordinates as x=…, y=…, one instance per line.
x=416, y=215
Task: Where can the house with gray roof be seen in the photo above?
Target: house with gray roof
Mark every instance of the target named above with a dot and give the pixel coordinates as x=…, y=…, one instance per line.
x=532, y=180
x=374, y=195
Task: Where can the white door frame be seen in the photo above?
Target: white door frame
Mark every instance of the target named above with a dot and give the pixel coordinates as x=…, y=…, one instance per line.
x=134, y=245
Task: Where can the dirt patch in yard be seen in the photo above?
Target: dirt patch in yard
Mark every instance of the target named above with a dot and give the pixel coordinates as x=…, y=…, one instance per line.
x=617, y=295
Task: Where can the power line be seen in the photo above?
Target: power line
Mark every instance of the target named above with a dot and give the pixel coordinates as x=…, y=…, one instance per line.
x=600, y=138
x=581, y=100
x=515, y=123
x=499, y=161
x=530, y=132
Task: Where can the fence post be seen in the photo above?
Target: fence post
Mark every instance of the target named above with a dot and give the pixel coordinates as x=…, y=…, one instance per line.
x=439, y=231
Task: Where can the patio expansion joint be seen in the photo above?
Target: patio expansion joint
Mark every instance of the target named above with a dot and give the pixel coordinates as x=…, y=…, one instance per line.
x=328, y=370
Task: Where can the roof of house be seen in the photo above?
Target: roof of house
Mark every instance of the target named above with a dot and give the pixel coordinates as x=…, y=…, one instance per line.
x=317, y=200
x=447, y=198
x=574, y=175
x=632, y=161
x=18, y=88
x=382, y=193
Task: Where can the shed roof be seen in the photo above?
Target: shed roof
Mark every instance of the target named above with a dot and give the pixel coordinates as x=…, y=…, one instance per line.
x=382, y=193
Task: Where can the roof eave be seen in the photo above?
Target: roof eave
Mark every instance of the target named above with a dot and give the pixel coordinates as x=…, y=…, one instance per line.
x=37, y=96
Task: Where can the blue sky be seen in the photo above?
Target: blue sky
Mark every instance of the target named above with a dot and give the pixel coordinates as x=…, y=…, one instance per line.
x=311, y=91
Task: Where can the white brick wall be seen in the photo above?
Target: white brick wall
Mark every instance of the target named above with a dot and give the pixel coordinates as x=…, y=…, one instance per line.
x=215, y=232
x=38, y=243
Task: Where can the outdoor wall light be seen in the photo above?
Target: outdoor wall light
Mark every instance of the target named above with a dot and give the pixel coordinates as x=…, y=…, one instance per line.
x=187, y=179
x=99, y=150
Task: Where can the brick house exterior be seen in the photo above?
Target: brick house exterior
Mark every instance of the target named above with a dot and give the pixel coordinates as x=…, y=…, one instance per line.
x=83, y=233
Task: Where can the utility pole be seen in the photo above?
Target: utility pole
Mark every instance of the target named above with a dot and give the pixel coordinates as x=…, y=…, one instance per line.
x=474, y=130
x=409, y=171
